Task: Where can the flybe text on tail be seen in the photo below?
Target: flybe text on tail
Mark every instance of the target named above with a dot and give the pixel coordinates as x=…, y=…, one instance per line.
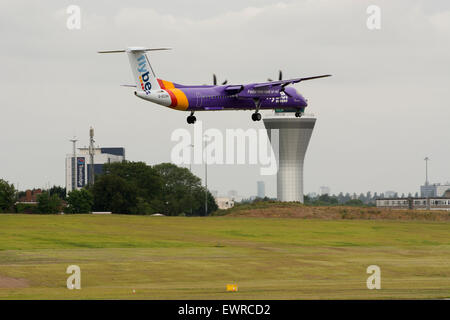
x=144, y=75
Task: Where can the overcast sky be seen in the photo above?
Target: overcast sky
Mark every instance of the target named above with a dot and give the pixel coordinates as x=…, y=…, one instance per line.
x=385, y=108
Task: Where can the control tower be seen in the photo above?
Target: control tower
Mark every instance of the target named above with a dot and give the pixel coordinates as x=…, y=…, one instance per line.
x=289, y=137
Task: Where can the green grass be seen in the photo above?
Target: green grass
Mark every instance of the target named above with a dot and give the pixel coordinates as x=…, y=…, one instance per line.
x=194, y=258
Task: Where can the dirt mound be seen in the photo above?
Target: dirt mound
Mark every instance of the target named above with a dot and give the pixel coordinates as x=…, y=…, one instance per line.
x=12, y=283
x=337, y=212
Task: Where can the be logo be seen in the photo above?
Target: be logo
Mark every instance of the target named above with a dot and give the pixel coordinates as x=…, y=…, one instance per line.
x=144, y=74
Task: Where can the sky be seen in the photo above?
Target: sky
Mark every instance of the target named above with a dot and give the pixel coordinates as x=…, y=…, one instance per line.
x=384, y=110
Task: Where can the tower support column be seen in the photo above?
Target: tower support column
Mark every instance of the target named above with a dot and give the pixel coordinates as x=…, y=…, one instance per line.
x=289, y=138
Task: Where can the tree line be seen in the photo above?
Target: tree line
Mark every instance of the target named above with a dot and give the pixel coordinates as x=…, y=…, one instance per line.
x=126, y=188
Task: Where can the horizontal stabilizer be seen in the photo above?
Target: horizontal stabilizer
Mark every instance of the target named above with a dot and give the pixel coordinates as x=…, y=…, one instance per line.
x=133, y=49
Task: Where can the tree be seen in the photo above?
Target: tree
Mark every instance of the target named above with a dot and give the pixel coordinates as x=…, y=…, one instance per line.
x=322, y=200
x=199, y=197
x=361, y=197
x=7, y=196
x=115, y=194
x=325, y=199
x=354, y=203
x=79, y=201
x=48, y=203
x=136, y=188
x=306, y=199
x=347, y=197
x=145, y=178
x=182, y=191
x=59, y=191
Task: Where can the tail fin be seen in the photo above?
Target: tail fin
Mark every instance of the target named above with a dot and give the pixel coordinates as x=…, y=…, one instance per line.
x=143, y=74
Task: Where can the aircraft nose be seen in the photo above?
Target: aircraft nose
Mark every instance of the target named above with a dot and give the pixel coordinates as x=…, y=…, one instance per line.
x=304, y=101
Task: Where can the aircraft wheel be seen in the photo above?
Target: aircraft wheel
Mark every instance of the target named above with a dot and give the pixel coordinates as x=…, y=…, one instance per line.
x=191, y=119
x=298, y=114
x=256, y=116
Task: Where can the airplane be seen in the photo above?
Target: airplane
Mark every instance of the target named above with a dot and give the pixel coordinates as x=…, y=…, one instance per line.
x=272, y=95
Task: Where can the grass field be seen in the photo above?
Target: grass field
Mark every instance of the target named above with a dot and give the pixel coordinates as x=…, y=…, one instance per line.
x=194, y=258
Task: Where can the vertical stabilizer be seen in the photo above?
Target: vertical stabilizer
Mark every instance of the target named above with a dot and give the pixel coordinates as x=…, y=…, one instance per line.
x=143, y=73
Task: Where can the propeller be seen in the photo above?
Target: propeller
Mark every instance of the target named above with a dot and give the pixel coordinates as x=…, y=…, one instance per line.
x=280, y=76
x=215, y=80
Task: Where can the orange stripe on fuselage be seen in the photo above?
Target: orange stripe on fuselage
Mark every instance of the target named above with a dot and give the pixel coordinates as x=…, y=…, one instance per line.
x=165, y=84
x=168, y=84
x=179, y=101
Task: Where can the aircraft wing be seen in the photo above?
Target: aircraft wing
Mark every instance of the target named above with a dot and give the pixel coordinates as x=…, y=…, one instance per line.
x=284, y=83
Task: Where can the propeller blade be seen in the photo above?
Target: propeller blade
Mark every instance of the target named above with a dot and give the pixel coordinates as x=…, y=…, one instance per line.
x=225, y=82
x=214, y=79
x=280, y=75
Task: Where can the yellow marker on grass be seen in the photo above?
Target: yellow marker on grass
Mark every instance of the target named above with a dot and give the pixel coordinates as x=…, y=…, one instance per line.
x=232, y=287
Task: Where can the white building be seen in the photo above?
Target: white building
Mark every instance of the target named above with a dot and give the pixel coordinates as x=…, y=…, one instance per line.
x=434, y=190
x=77, y=168
x=434, y=203
x=224, y=203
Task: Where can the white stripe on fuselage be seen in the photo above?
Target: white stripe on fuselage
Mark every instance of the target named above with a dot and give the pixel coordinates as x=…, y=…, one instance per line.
x=159, y=96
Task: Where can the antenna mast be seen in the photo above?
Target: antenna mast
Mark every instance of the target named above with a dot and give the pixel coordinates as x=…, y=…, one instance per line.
x=91, y=154
x=74, y=163
x=426, y=170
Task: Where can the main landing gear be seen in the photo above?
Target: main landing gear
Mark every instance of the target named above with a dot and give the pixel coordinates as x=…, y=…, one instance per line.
x=191, y=119
x=298, y=114
x=256, y=116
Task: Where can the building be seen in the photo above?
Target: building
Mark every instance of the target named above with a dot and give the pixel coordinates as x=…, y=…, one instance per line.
x=289, y=137
x=390, y=194
x=260, y=189
x=78, y=166
x=30, y=196
x=324, y=190
x=423, y=203
x=233, y=195
x=224, y=203
x=434, y=190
